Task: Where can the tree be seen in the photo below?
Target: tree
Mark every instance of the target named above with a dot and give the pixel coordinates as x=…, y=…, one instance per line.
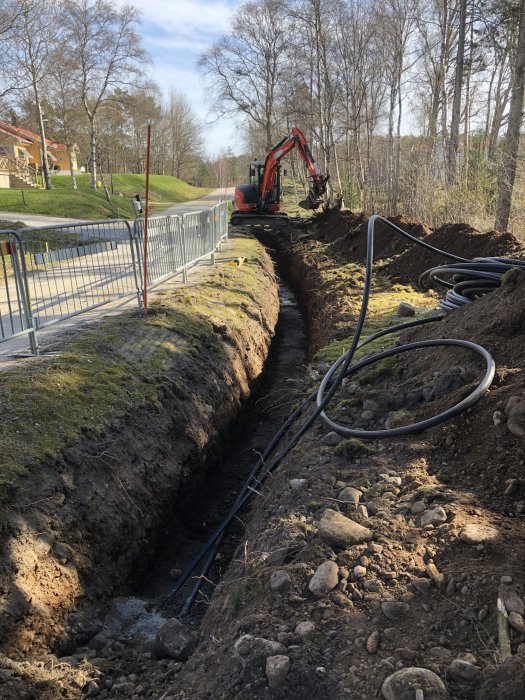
x=183, y=131
x=245, y=67
x=35, y=33
x=108, y=54
x=508, y=170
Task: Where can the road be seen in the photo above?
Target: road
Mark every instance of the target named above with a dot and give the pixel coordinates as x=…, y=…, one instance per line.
x=83, y=277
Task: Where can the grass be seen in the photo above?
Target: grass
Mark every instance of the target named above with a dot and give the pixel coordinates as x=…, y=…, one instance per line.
x=54, y=401
x=353, y=447
x=86, y=203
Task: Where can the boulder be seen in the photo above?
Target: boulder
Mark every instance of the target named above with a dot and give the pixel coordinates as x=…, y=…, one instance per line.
x=338, y=530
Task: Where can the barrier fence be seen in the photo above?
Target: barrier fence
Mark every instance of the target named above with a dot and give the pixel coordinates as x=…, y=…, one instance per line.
x=51, y=273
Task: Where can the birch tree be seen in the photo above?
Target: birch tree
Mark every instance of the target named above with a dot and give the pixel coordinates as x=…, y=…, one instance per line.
x=108, y=54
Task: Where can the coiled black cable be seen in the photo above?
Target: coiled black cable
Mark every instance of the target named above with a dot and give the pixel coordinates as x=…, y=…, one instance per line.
x=470, y=279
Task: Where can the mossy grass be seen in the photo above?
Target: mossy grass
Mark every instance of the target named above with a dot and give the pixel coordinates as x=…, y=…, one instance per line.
x=51, y=402
x=353, y=447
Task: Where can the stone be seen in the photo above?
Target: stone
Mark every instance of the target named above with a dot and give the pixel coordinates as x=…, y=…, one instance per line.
x=359, y=572
x=498, y=418
x=515, y=412
x=325, y=579
x=436, y=576
x=305, y=630
x=336, y=529
x=256, y=649
x=367, y=415
x=331, y=439
x=280, y=580
x=403, y=685
x=511, y=600
x=395, y=610
x=350, y=495
x=511, y=486
x=277, y=668
x=436, y=516
x=372, y=507
x=298, y=484
x=417, y=507
x=175, y=641
x=362, y=511
x=440, y=653
x=478, y=534
x=516, y=622
x=405, y=309
x=506, y=579
x=463, y=670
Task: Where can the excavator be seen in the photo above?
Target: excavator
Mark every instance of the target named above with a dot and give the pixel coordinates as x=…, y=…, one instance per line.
x=258, y=202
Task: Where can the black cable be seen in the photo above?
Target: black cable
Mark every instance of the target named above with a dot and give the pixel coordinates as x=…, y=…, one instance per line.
x=471, y=278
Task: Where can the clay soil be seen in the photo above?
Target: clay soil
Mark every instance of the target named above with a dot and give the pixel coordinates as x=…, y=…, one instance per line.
x=415, y=594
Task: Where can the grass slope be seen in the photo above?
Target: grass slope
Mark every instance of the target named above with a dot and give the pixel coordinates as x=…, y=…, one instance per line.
x=86, y=203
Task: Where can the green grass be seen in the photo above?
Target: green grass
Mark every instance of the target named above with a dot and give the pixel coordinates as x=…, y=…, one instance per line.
x=86, y=203
x=353, y=447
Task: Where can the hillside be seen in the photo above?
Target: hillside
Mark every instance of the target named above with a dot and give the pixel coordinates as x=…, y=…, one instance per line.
x=87, y=204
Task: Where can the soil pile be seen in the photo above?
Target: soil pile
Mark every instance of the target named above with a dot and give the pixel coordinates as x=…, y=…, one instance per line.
x=458, y=239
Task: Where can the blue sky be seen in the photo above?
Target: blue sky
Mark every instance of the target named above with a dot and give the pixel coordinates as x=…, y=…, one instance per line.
x=176, y=33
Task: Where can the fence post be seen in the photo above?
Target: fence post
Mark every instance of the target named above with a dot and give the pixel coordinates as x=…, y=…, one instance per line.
x=182, y=230
x=133, y=241
x=20, y=271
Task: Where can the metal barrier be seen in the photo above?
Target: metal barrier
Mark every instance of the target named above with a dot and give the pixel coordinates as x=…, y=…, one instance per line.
x=54, y=272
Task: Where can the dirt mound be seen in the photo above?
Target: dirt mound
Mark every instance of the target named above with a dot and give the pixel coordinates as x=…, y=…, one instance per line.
x=459, y=239
x=346, y=235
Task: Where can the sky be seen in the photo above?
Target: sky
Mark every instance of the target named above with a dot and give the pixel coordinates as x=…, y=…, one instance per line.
x=175, y=34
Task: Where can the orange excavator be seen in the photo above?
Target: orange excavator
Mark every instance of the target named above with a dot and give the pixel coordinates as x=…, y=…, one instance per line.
x=258, y=202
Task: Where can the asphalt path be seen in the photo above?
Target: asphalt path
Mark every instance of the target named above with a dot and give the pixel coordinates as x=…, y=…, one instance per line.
x=68, y=286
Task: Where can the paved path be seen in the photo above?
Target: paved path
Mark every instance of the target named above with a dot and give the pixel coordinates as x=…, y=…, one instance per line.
x=210, y=200
x=37, y=219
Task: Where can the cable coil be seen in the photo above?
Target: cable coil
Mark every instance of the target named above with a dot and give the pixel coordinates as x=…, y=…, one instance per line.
x=471, y=279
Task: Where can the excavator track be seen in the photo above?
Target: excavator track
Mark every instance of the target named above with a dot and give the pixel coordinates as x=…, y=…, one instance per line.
x=276, y=221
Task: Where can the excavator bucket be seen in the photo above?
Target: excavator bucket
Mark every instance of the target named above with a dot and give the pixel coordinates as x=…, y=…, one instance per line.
x=311, y=202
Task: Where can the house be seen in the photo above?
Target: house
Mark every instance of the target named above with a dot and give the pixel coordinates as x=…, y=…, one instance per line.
x=21, y=156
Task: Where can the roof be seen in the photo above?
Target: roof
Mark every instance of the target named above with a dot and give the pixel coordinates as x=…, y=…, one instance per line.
x=26, y=136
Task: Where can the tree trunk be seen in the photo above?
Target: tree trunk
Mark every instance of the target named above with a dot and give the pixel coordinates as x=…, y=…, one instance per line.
x=93, y=151
x=508, y=171
x=71, y=170
x=453, y=143
x=45, y=164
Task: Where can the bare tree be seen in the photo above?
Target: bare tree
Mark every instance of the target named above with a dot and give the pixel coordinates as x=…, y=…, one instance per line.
x=245, y=67
x=183, y=132
x=508, y=170
x=108, y=52
x=29, y=54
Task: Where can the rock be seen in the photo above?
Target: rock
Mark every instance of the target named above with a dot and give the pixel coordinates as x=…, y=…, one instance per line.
x=435, y=575
x=436, y=516
x=305, y=630
x=403, y=685
x=511, y=486
x=405, y=309
x=362, y=511
x=515, y=412
x=372, y=586
x=175, y=641
x=367, y=415
x=440, y=653
x=422, y=585
x=498, y=418
x=374, y=548
x=417, y=507
x=324, y=580
x=336, y=529
x=280, y=580
x=277, y=668
x=341, y=599
x=298, y=484
x=506, y=579
x=462, y=670
x=511, y=600
x=279, y=555
x=516, y=622
x=478, y=534
x=395, y=611
x=331, y=439
x=372, y=507
x=350, y=495
x=359, y=572
x=256, y=649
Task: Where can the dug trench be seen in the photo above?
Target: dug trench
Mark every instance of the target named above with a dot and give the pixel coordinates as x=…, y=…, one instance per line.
x=311, y=605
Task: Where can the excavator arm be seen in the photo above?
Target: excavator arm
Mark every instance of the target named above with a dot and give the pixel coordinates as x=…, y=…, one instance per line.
x=318, y=182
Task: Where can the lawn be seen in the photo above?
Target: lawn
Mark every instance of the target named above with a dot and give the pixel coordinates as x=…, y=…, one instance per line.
x=86, y=203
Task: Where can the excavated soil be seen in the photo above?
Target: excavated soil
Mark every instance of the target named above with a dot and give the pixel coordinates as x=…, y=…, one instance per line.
x=444, y=512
